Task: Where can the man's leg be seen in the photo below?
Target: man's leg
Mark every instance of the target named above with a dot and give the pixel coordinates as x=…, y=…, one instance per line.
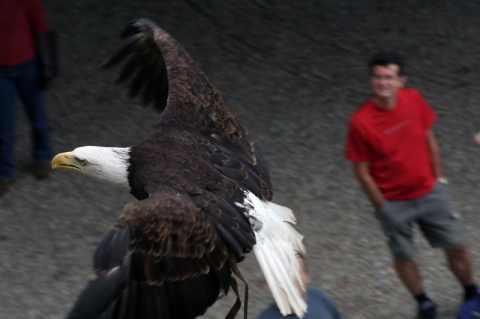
x=7, y=124
x=460, y=261
x=397, y=218
x=443, y=227
x=409, y=275
x=32, y=97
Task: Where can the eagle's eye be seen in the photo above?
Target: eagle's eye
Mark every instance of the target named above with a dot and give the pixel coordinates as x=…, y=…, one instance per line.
x=82, y=162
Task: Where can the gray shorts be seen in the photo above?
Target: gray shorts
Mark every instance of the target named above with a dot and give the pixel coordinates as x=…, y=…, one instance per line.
x=433, y=213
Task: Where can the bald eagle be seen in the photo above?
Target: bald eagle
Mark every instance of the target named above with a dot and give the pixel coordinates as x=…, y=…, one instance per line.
x=203, y=198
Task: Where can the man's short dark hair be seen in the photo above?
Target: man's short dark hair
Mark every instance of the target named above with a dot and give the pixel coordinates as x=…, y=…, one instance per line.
x=386, y=58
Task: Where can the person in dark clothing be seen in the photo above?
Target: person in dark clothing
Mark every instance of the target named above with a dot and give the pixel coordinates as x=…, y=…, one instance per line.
x=319, y=304
x=27, y=64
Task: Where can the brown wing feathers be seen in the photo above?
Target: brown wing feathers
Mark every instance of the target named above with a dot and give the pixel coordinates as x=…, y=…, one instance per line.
x=115, y=293
x=192, y=99
x=151, y=258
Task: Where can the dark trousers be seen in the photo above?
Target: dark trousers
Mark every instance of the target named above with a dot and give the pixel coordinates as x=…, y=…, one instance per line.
x=21, y=79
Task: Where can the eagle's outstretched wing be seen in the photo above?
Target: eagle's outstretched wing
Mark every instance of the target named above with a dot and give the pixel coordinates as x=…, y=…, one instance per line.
x=165, y=257
x=204, y=199
x=162, y=72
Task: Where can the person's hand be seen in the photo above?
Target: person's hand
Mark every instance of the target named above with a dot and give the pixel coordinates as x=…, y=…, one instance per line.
x=477, y=138
x=47, y=58
x=378, y=204
x=442, y=180
x=44, y=79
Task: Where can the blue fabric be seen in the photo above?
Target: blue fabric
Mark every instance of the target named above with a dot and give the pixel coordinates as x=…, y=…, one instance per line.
x=470, y=309
x=21, y=79
x=320, y=306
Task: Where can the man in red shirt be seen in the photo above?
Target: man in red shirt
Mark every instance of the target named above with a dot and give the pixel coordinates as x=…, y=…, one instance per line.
x=26, y=66
x=396, y=160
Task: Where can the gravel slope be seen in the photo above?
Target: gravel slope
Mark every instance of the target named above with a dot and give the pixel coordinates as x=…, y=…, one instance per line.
x=293, y=72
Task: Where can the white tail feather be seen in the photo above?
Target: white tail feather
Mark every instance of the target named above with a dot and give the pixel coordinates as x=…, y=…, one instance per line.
x=278, y=244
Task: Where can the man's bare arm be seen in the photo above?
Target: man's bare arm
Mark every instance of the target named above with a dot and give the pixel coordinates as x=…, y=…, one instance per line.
x=435, y=151
x=362, y=173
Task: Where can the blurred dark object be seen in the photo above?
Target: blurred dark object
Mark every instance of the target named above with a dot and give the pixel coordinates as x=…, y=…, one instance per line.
x=5, y=185
x=46, y=45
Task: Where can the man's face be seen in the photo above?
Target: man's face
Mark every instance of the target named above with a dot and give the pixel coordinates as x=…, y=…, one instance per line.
x=385, y=81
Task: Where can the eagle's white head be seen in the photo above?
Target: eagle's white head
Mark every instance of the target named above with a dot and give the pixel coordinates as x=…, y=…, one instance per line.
x=107, y=164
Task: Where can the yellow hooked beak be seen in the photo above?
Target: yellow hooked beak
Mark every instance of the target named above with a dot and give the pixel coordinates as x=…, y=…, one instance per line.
x=66, y=161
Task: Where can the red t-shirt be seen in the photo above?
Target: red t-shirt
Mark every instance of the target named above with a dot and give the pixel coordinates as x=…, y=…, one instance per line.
x=394, y=143
x=19, y=21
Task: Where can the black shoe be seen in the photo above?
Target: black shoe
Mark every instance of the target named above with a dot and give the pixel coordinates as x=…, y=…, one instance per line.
x=41, y=170
x=427, y=310
x=5, y=185
x=471, y=291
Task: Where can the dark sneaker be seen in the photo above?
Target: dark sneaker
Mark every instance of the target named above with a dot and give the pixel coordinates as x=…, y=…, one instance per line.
x=427, y=310
x=41, y=170
x=5, y=185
